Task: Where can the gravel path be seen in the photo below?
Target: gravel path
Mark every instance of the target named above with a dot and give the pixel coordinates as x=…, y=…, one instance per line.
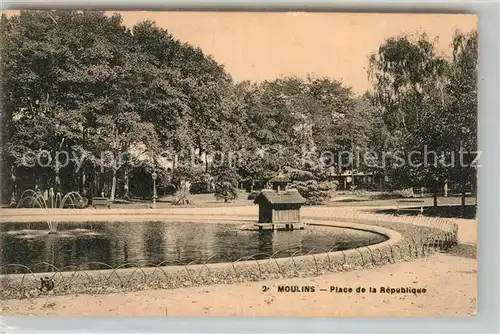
x=450, y=283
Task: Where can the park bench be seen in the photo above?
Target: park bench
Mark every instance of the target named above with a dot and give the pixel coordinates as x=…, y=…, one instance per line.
x=101, y=202
x=417, y=201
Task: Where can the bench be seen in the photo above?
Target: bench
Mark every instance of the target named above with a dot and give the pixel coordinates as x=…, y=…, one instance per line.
x=419, y=201
x=101, y=202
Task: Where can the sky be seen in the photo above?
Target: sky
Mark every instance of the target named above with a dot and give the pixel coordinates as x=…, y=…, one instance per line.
x=259, y=46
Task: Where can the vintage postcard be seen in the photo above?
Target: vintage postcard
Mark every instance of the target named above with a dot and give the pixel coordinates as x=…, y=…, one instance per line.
x=238, y=164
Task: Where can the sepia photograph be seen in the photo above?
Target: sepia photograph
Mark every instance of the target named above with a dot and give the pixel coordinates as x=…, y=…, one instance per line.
x=203, y=163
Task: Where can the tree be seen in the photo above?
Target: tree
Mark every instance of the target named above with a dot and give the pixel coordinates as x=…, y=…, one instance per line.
x=226, y=182
x=141, y=83
x=292, y=118
x=409, y=79
x=332, y=105
x=461, y=116
x=118, y=134
x=54, y=72
x=154, y=86
x=313, y=191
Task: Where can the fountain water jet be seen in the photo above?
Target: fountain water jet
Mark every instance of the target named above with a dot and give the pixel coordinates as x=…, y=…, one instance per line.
x=52, y=227
x=32, y=199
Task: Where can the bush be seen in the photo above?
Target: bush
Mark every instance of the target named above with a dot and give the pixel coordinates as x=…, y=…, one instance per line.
x=226, y=191
x=181, y=196
x=200, y=188
x=252, y=195
x=314, y=192
x=299, y=175
x=405, y=193
x=200, y=180
x=226, y=183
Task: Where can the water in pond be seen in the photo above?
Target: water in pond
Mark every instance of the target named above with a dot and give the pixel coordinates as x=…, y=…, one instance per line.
x=148, y=243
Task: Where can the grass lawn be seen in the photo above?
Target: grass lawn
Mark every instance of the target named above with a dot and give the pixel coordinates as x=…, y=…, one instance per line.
x=448, y=207
x=196, y=200
x=345, y=200
x=443, y=211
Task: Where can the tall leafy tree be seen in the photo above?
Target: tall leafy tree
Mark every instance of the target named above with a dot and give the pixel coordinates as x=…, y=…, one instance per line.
x=409, y=80
x=55, y=72
x=461, y=115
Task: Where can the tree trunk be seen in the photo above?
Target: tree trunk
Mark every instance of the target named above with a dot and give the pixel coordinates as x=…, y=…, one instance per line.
x=435, y=190
x=13, y=193
x=113, y=187
x=57, y=186
x=84, y=188
x=474, y=184
x=95, y=191
x=126, y=186
x=463, y=200
x=474, y=187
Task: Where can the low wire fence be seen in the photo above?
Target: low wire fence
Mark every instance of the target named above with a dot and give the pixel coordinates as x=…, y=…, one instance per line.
x=420, y=239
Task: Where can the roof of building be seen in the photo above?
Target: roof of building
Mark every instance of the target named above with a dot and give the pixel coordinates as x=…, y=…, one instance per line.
x=291, y=196
x=280, y=178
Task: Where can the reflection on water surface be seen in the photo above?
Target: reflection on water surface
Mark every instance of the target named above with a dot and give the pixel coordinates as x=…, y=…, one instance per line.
x=148, y=243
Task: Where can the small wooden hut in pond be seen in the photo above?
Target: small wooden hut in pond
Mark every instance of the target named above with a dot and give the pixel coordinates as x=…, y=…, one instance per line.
x=279, y=208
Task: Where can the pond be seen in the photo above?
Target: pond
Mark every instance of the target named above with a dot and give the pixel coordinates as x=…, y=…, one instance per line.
x=88, y=245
